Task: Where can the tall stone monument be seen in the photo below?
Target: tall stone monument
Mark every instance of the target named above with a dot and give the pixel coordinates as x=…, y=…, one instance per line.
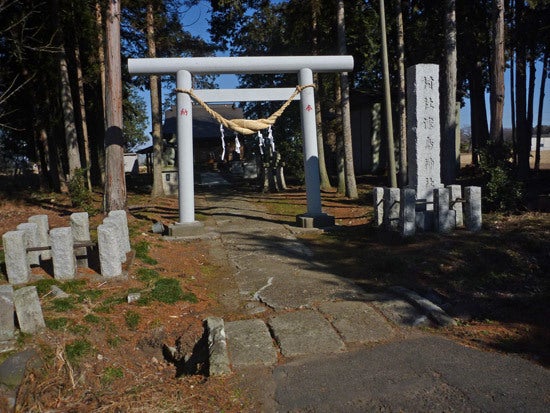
x=423, y=135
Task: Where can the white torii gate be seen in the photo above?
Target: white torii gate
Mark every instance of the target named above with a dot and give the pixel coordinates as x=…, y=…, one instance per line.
x=184, y=67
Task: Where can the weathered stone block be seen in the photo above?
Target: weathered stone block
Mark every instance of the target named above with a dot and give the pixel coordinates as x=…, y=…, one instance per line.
x=378, y=204
x=444, y=219
x=391, y=208
x=7, y=325
x=28, y=310
x=17, y=265
x=64, y=262
x=43, y=237
x=109, y=250
x=31, y=240
x=407, y=212
x=472, y=208
x=80, y=228
x=123, y=223
x=455, y=193
x=116, y=224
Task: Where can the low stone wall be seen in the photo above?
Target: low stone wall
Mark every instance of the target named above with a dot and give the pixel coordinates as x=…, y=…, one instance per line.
x=399, y=210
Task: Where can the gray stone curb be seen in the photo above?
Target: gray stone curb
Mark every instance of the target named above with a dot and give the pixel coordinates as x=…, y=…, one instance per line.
x=433, y=311
x=218, y=358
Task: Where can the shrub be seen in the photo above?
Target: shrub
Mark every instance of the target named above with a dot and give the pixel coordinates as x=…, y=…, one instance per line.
x=81, y=196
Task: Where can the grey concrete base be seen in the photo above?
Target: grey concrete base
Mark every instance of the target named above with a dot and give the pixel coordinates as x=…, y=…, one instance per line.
x=315, y=221
x=357, y=322
x=186, y=229
x=303, y=333
x=250, y=344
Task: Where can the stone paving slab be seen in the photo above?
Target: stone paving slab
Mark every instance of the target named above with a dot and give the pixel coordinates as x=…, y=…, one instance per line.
x=305, y=332
x=357, y=322
x=250, y=344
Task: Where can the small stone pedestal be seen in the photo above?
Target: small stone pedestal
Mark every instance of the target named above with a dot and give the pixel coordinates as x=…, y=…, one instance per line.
x=186, y=229
x=315, y=221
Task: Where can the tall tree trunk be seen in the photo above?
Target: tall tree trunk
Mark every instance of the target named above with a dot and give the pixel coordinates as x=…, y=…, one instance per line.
x=531, y=94
x=478, y=112
x=523, y=132
x=156, y=120
x=497, y=73
x=513, y=110
x=351, y=187
x=101, y=60
x=115, y=184
x=84, y=125
x=71, y=137
x=545, y=64
x=323, y=174
x=401, y=97
x=339, y=139
x=449, y=157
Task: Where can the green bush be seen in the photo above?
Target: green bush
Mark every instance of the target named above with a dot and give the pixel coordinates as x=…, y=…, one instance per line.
x=81, y=196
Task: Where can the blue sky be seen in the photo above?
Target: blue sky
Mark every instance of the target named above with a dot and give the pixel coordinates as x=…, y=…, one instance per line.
x=195, y=20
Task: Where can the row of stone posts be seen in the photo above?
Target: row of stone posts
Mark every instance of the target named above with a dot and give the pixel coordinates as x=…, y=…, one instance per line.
x=33, y=243
x=399, y=210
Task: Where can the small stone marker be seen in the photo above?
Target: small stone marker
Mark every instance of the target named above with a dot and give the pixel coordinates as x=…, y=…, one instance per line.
x=378, y=203
x=80, y=228
x=123, y=223
x=31, y=240
x=472, y=208
x=455, y=195
x=28, y=310
x=43, y=237
x=109, y=250
x=17, y=265
x=7, y=325
x=407, y=212
x=444, y=217
x=217, y=347
x=249, y=343
x=64, y=262
x=423, y=134
x=391, y=208
x=116, y=224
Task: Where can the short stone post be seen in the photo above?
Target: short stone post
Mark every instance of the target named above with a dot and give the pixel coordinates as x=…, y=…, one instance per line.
x=407, y=212
x=80, y=229
x=64, y=262
x=7, y=325
x=444, y=219
x=17, y=265
x=121, y=216
x=472, y=208
x=28, y=310
x=391, y=208
x=378, y=204
x=43, y=237
x=109, y=254
x=455, y=195
x=119, y=235
x=31, y=240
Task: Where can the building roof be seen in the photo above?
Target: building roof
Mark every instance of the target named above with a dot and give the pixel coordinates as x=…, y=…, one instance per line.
x=204, y=125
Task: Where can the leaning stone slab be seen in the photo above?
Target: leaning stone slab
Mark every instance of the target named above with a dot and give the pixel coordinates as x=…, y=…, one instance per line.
x=109, y=250
x=218, y=357
x=43, y=237
x=116, y=224
x=31, y=240
x=80, y=228
x=305, y=332
x=28, y=310
x=7, y=313
x=121, y=216
x=64, y=262
x=17, y=265
x=13, y=369
x=433, y=311
x=357, y=322
x=250, y=344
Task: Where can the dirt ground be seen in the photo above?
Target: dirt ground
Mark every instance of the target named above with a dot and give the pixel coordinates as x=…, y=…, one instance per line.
x=102, y=353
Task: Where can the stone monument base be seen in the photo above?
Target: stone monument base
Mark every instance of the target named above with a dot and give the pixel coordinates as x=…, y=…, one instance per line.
x=186, y=229
x=315, y=221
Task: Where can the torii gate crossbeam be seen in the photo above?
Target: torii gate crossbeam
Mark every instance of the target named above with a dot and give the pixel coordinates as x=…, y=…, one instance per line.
x=304, y=66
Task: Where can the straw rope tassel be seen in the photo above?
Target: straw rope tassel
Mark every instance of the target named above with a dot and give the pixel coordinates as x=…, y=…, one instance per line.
x=245, y=126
